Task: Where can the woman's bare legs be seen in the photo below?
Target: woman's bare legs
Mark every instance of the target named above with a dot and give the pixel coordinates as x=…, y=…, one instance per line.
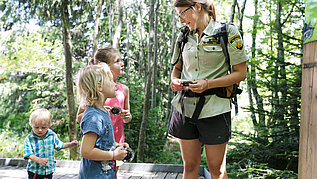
x=216, y=160
x=191, y=157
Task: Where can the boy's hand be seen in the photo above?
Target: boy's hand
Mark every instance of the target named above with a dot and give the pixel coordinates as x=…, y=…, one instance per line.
x=74, y=143
x=120, y=153
x=43, y=161
x=125, y=115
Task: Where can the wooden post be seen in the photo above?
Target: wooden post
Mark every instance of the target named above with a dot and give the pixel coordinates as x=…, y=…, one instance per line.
x=307, y=166
x=308, y=124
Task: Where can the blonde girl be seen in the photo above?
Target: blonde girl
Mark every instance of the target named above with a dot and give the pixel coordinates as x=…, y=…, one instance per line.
x=98, y=148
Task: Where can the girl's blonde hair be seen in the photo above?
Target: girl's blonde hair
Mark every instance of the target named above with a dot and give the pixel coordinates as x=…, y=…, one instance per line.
x=88, y=79
x=104, y=55
x=42, y=115
x=207, y=5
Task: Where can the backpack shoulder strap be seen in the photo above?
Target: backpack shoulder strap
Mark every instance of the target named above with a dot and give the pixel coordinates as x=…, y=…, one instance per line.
x=223, y=38
x=181, y=44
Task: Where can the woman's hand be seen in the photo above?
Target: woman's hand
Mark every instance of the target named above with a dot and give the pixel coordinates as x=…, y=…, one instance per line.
x=198, y=86
x=176, y=85
x=125, y=115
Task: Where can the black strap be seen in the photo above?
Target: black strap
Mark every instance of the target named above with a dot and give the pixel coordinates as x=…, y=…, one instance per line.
x=181, y=44
x=199, y=107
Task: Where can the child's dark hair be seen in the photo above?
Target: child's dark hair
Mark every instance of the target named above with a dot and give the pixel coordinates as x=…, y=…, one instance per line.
x=104, y=55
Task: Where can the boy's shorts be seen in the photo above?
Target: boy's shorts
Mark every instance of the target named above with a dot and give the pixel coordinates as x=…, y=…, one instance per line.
x=36, y=176
x=210, y=131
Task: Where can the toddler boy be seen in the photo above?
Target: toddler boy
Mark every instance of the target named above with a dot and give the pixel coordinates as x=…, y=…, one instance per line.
x=39, y=145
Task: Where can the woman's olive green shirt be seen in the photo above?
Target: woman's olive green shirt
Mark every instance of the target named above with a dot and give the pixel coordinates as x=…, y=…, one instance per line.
x=205, y=60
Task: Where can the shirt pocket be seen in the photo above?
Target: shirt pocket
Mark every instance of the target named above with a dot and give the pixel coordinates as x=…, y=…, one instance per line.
x=188, y=54
x=212, y=55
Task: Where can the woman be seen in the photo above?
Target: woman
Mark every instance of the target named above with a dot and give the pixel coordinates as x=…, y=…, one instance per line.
x=205, y=122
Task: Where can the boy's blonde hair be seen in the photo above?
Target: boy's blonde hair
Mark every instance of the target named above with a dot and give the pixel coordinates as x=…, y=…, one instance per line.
x=40, y=115
x=88, y=79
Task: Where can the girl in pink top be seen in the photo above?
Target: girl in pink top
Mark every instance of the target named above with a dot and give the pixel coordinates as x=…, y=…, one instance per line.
x=112, y=57
x=117, y=120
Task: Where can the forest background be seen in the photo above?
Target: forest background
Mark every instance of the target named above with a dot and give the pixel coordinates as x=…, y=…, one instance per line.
x=45, y=42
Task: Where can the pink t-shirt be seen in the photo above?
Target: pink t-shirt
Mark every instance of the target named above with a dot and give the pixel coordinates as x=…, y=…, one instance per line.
x=117, y=121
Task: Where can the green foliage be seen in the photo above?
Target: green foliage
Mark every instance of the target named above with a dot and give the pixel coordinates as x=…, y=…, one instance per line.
x=33, y=78
x=11, y=144
x=248, y=157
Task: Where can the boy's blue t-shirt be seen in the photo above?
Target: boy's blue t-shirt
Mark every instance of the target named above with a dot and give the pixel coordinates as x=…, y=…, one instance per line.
x=98, y=121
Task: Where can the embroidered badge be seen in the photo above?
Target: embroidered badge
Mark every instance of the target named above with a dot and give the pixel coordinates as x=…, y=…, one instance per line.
x=236, y=42
x=211, y=41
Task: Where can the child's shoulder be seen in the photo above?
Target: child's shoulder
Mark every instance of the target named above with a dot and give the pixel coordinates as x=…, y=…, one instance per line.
x=93, y=113
x=125, y=88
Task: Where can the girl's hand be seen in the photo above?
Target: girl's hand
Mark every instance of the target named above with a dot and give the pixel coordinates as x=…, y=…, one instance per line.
x=125, y=115
x=120, y=153
x=74, y=143
x=198, y=86
x=43, y=161
x=176, y=85
x=124, y=145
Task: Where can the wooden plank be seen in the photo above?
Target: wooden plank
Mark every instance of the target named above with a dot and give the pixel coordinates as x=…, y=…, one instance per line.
x=171, y=176
x=180, y=176
x=160, y=175
x=123, y=174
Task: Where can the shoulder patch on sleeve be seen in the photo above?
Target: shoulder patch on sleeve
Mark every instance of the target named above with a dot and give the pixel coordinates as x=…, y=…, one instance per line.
x=236, y=42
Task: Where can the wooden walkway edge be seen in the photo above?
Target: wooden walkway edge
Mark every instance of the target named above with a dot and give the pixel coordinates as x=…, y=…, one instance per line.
x=126, y=171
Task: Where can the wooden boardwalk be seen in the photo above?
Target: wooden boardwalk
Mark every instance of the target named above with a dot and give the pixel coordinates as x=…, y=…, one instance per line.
x=15, y=169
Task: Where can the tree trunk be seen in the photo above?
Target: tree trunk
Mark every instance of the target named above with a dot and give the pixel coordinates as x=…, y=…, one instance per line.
x=72, y=129
x=146, y=107
x=117, y=34
x=154, y=86
x=170, y=92
x=97, y=27
x=233, y=10
x=280, y=67
x=110, y=19
x=141, y=42
x=241, y=16
x=252, y=74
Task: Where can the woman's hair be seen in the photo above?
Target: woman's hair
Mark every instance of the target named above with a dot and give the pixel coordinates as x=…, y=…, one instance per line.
x=104, y=55
x=42, y=115
x=88, y=79
x=207, y=5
